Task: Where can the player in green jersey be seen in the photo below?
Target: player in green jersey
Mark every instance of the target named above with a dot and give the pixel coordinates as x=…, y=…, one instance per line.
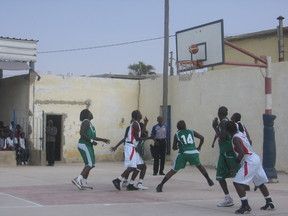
x=227, y=165
x=85, y=146
x=184, y=142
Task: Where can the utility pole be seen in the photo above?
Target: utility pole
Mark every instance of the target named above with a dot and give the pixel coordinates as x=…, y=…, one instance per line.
x=165, y=61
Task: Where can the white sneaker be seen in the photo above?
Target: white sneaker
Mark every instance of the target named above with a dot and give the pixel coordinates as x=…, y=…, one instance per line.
x=85, y=185
x=141, y=186
x=77, y=183
x=228, y=201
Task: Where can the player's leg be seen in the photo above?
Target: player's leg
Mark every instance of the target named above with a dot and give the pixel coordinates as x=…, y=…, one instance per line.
x=142, y=167
x=82, y=148
x=205, y=174
x=243, y=177
x=131, y=183
x=134, y=159
x=128, y=155
x=269, y=203
x=221, y=174
x=260, y=179
x=165, y=179
x=180, y=163
x=91, y=165
x=193, y=159
x=241, y=191
x=87, y=153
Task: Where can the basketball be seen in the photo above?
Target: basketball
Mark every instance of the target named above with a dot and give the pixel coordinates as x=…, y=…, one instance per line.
x=193, y=49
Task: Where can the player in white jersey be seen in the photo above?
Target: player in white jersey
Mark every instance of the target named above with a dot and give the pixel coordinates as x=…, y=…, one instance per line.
x=133, y=161
x=236, y=117
x=251, y=170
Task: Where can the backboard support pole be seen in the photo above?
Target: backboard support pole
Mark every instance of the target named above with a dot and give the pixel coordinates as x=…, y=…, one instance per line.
x=269, y=144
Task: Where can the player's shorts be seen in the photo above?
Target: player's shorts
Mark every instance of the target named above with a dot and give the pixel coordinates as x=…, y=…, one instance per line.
x=87, y=154
x=227, y=166
x=182, y=160
x=251, y=170
x=132, y=158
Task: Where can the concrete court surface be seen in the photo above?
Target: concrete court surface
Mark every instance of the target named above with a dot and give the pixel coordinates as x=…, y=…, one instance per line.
x=42, y=190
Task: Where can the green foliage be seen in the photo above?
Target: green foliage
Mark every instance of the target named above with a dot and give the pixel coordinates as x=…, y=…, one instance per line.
x=140, y=69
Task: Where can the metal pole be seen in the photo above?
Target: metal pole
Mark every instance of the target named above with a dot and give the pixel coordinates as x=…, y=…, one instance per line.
x=269, y=144
x=280, y=39
x=166, y=58
x=268, y=88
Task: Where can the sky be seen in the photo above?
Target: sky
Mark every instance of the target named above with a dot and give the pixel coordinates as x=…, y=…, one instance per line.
x=73, y=24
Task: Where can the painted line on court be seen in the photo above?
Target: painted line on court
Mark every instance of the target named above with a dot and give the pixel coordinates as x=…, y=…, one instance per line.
x=18, y=198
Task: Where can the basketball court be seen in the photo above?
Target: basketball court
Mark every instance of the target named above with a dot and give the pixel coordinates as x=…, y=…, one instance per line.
x=40, y=190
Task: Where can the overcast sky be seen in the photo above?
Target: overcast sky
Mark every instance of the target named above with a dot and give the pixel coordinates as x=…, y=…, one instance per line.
x=72, y=24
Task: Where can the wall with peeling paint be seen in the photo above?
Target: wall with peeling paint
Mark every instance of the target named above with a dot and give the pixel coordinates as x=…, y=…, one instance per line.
x=111, y=102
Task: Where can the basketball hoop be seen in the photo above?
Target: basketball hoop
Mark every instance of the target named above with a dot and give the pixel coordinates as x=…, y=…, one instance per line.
x=185, y=65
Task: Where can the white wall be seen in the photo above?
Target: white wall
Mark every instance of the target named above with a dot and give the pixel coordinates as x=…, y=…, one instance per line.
x=240, y=89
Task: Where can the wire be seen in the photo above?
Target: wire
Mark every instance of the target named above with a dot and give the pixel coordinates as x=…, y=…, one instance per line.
x=102, y=46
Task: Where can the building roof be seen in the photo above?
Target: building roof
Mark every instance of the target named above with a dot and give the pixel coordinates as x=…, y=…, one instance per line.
x=9, y=38
x=256, y=34
x=123, y=76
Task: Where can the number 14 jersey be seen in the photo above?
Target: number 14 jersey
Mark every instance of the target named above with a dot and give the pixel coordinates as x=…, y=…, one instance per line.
x=186, y=142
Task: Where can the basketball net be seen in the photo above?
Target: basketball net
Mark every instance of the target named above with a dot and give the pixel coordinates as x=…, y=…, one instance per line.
x=186, y=68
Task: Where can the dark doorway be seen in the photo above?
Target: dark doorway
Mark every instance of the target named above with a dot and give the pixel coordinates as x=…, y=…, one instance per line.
x=57, y=122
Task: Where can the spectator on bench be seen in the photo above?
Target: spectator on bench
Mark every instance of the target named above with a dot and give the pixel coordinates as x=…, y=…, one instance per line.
x=10, y=142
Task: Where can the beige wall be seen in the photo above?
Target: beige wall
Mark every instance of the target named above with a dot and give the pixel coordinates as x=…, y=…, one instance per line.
x=111, y=104
x=265, y=45
x=241, y=89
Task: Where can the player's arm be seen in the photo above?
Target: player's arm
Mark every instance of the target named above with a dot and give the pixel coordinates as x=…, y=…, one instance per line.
x=175, y=143
x=114, y=148
x=135, y=132
x=248, y=135
x=107, y=141
x=201, y=138
x=237, y=142
x=223, y=133
x=214, y=140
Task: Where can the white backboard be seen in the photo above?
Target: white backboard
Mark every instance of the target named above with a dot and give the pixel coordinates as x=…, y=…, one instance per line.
x=210, y=40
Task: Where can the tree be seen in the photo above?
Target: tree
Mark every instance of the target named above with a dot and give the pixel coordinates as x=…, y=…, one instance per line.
x=140, y=69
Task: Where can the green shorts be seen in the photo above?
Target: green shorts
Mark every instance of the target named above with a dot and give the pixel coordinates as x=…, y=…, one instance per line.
x=227, y=166
x=182, y=160
x=87, y=154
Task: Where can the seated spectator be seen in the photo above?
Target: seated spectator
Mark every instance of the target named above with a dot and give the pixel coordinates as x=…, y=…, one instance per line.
x=10, y=142
x=22, y=155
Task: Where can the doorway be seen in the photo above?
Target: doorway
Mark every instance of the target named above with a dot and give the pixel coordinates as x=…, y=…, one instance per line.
x=57, y=122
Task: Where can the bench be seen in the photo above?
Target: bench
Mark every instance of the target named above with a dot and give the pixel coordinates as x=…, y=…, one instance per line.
x=7, y=158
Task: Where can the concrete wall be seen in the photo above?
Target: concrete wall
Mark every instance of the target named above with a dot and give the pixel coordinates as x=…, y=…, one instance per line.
x=111, y=102
x=241, y=89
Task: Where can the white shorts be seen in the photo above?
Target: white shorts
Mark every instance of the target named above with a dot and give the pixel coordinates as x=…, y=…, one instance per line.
x=132, y=158
x=251, y=171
